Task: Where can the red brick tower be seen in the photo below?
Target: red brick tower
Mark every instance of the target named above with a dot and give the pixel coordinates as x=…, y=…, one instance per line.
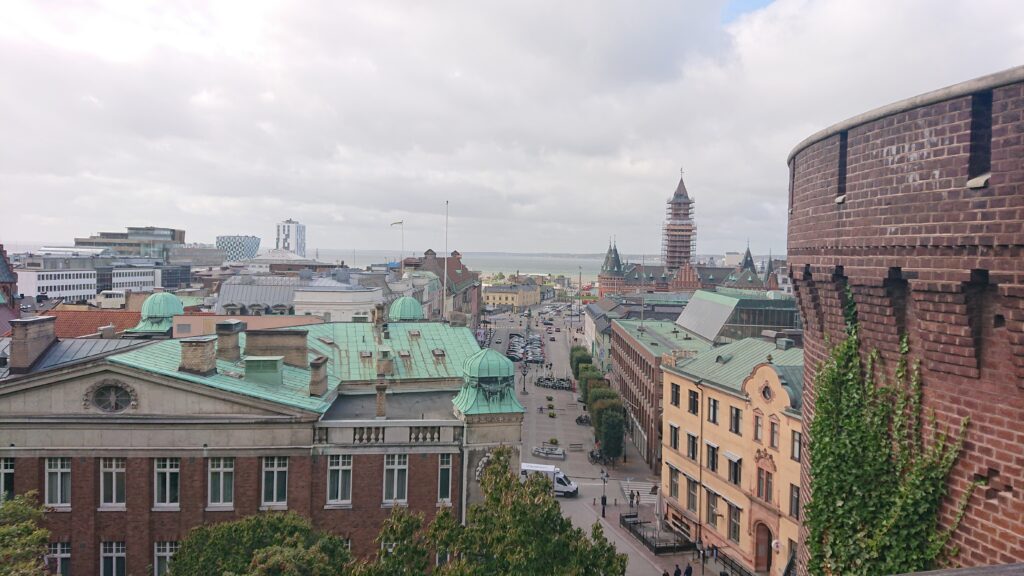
x=678, y=236
x=918, y=208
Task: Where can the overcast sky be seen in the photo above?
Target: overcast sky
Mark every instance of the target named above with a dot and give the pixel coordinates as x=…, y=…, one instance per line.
x=549, y=126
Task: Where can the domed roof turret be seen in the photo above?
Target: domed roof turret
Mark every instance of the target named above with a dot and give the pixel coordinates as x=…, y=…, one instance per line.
x=488, y=363
x=162, y=305
x=405, y=309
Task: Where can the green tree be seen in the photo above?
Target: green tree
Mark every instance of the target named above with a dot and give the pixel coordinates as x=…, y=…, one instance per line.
x=22, y=539
x=602, y=408
x=403, y=547
x=578, y=355
x=613, y=428
x=588, y=374
x=267, y=544
x=876, y=483
x=600, y=393
x=519, y=530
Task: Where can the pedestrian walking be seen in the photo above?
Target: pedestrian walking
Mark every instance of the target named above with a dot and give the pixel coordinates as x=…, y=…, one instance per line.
x=688, y=571
x=678, y=571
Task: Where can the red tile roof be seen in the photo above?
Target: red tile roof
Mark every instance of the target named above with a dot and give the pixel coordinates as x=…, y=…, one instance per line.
x=77, y=323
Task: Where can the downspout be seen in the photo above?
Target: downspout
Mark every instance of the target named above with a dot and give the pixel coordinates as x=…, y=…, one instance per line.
x=465, y=477
x=700, y=468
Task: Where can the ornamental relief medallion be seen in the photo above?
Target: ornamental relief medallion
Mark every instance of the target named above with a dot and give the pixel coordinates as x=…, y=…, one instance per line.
x=111, y=396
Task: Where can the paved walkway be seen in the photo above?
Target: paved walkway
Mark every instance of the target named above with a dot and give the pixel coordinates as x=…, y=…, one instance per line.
x=633, y=474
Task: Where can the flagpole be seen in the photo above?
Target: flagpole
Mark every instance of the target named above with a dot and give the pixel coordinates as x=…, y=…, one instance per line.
x=444, y=289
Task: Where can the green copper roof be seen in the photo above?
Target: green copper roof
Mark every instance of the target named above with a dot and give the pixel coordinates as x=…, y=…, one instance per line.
x=488, y=363
x=729, y=365
x=164, y=358
x=161, y=305
x=405, y=309
x=660, y=336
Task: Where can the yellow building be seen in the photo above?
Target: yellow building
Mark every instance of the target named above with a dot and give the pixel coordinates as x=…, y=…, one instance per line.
x=515, y=297
x=731, y=452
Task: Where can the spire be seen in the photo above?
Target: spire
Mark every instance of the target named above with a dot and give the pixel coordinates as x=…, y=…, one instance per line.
x=769, y=268
x=748, y=261
x=612, y=265
x=680, y=193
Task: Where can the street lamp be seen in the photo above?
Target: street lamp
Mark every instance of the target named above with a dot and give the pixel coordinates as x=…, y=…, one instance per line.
x=524, y=369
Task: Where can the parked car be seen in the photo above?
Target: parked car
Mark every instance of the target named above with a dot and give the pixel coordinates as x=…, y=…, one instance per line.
x=552, y=338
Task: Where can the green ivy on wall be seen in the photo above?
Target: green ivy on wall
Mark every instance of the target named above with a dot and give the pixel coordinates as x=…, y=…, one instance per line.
x=877, y=484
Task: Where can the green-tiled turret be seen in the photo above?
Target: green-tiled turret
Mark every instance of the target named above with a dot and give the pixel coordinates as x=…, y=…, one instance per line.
x=405, y=309
x=489, y=386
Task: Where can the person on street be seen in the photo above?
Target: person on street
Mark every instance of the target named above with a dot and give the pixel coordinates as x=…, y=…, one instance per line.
x=688, y=571
x=678, y=571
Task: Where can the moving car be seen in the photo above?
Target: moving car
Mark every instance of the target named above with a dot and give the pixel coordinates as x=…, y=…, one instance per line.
x=562, y=484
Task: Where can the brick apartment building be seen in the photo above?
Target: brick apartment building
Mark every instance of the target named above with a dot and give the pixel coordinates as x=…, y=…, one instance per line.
x=132, y=443
x=917, y=210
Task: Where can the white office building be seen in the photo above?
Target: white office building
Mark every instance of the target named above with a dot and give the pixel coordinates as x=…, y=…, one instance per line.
x=291, y=236
x=135, y=279
x=70, y=285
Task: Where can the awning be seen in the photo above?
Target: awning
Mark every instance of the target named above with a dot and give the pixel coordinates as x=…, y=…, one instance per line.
x=731, y=456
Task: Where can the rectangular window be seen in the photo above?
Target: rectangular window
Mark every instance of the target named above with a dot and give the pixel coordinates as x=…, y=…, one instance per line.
x=712, y=462
x=444, y=479
x=275, y=481
x=673, y=483
x=980, y=159
x=794, y=501
x=58, y=481
x=673, y=437
x=339, y=479
x=675, y=395
x=712, y=510
x=735, y=420
x=841, y=179
x=6, y=478
x=167, y=482
x=691, y=447
x=773, y=441
x=758, y=422
x=691, y=495
x=694, y=402
x=764, y=485
x=795, y=446
x=222, y=481
x=112, y=482
x=58, y=561
x=112, y=559
x=712, y=410
x=396, y=477
x=735, y=471
x=734, y=523
x=162, y=557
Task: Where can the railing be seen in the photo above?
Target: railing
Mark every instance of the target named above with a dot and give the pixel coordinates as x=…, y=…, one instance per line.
x=368, y=434
x=657, y=541
x=422, y=434
x=790, y=566
x=734, y=567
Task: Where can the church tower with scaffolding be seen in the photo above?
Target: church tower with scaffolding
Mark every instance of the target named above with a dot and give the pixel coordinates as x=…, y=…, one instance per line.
x=678, y=244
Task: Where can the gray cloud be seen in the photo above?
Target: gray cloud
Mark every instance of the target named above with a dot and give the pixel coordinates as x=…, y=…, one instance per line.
x=548, y=126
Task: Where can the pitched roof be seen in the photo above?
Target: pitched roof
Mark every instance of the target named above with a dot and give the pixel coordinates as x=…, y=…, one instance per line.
x=659, y=336
x=7, y=274
x=706, y=314
x=78, y=323
x=65, y=352
x=680, y=193
x=612, y=265
x=729, y=365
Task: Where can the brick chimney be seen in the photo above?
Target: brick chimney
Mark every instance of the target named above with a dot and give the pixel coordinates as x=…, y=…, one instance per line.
x=382, y=402
x=291, y=344
x=227, y=339
x=199, y=355
x=107, y=332
x=318, y=376
x=30, y=337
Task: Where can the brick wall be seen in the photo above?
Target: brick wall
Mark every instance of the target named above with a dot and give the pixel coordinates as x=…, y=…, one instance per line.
x=926, y=255
x=140, y=526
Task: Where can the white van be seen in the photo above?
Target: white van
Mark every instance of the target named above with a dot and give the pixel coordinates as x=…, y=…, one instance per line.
x=563, y=485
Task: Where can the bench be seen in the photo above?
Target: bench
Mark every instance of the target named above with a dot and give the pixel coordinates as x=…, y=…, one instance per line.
x=575, y=447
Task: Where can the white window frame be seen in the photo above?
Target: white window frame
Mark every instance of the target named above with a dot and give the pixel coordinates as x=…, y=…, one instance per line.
x=218, y=469
x=277, y=467
x=795, y=450
x=394, y=466
x=773, y=434
x=58, y=558
x=116, y=469
x=169, y=468
x=737, y=511
x=713, y=410
x=444, y=466
x=673, y=437
x=165, y=551
x=113, y=550
x=6, y=477
x=61, y=467
x=673, y=483
x=340, y=465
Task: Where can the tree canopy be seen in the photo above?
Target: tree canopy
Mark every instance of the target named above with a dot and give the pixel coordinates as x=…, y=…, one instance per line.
x=22, y=538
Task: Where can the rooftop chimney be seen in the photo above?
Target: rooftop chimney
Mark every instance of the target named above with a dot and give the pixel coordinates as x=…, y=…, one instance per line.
x=385, y=364
x=30, y=337
x=378, y=313
x=227, y=339
x=291, y=344
x=318, y=376
x=107, y=332
x=382, y=388
x=199, y=355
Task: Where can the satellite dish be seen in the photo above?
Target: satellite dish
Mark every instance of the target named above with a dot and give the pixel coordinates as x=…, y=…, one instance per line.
x=776, y=545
